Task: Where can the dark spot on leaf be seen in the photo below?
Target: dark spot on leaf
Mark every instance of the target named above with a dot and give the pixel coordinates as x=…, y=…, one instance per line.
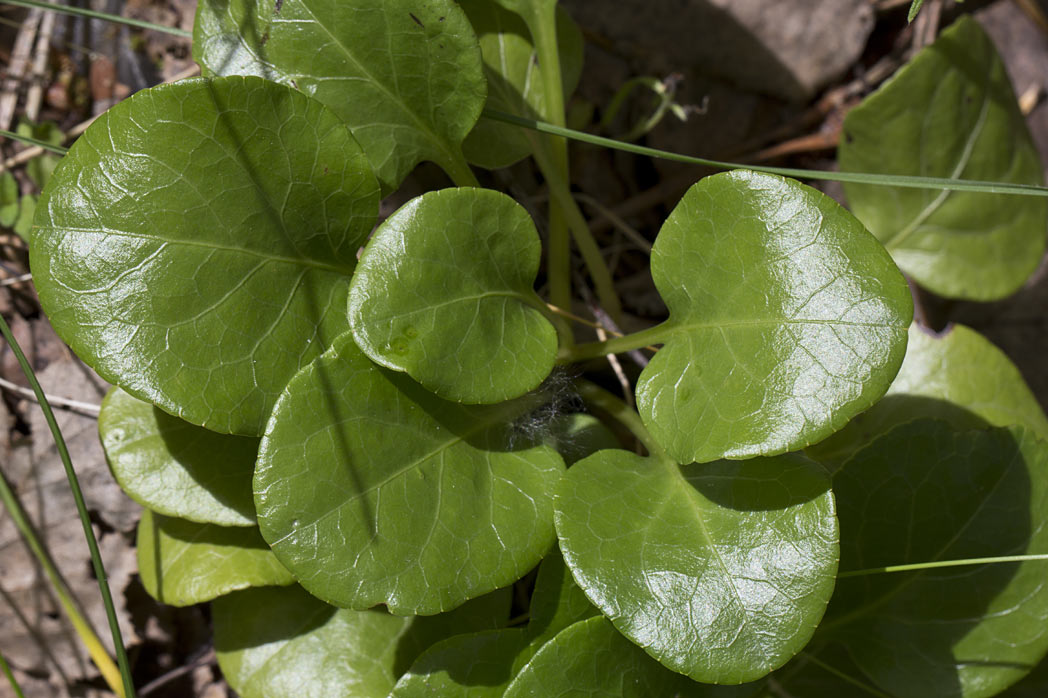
x=441, y=45
x=440, y=19
x=294, y=84
x=417, y=20
x=280, y=4
x=265, y=38
x=967, y=99
x=848, y=138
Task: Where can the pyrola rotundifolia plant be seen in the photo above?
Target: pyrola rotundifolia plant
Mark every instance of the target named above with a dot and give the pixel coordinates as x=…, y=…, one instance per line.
x=359, y=442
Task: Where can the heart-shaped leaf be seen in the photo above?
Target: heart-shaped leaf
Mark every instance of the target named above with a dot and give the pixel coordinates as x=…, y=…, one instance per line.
x=926, y=493
x=372, y=490
x=415, y=99
x=590, y=658
x=175, y=468
x=720, y=571
x=182, y=563
x=786, y=319
x=936, y=381
x=195, y=245
x=279, y=642
x=444, y=291
x=950, y=112
x=515, y=85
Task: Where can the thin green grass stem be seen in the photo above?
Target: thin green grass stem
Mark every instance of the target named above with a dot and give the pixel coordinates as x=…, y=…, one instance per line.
x=905, y=181
x=11, y=678
x=28, y=140
x=939, y=564
x=844, y=677
x=78, y=496
x=93, y=14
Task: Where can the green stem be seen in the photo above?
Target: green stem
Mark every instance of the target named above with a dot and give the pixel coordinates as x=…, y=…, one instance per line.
x=65, y=9
x=460, y=172
x=904, y=181
x=85, y=520
x=29, y=140
x=11, y=678
x=614, y=345
x=940, y=563
x=620, y=412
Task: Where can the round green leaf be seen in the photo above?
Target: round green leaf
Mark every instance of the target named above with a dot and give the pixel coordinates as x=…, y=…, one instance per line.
x=195, y=245
x=478, y=665
x=444, y=291
x=720, y=571
x=415, y=98
x=182, y=563
x=786, y=319
x=950, y=112
x=926, y=493
x=175, y=468
x=514, y=83
x=557, y=601
x=274, y=643
x=373, y=490
x=937, y=381
x=591, y=658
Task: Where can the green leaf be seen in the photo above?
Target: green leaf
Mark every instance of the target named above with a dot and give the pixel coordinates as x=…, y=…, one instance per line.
x=950, y=112
x=182, y=563
x=40, y=168
x=514, y=83
x=273, y=643
x=578, y=435
x=719, y=571
x=786, y=319
x=415, y=98
x=23, y=225
x=915, y=7
x=373, y=490
x=591, y=658
x=557, y=601
x=937, y=381
x=444, y=292
x=478, y=665
x=923, y=493
x=9, y=199
x=195, y=245
x=175, y=468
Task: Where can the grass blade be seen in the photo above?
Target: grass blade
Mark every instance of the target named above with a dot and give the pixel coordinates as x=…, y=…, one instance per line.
x=64, y=9
x=11, y=678
x=89, y=534
x=33, y=141
x=906, y=181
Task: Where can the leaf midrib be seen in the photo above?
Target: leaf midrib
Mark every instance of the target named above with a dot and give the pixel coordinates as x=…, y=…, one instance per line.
x=297, y=261
x=901, y=236
x=420, y=124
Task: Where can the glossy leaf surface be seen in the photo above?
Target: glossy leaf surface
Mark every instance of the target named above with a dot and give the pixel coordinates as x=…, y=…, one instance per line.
x=176, y=468
x=444, y=291
x=404, y=75
x=922, y=493
x=958, y=376
x=373, y=490
x=515, y=85
x=182, y=563
x=273, y=643
x=950, y=112
x=720, y=571
x=195, y=245
x=786, y=319
x=591, y=658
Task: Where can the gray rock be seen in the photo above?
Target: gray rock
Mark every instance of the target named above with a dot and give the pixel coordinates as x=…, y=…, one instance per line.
x=784, y=48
